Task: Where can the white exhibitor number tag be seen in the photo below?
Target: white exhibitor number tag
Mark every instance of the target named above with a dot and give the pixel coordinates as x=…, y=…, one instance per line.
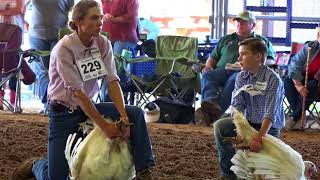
x=92, y=67
x=258, y=89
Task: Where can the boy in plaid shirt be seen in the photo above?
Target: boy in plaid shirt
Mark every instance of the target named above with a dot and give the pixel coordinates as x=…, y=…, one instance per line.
x=258, y=94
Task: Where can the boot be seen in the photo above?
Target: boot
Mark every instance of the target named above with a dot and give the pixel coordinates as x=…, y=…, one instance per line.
x=1, y=102
x=24, y=170
x=12, y=97
x=144, y=174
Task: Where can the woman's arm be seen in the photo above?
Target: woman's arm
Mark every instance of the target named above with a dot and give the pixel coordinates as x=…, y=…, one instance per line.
x=116, y=96
x=297, y=64
x=13, y=11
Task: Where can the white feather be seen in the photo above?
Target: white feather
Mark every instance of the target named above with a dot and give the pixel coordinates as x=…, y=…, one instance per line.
x=99, y=158
x=276, y=160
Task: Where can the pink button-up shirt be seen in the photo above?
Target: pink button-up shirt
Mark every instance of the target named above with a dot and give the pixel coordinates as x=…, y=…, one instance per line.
x=128, y=10
x=63, y=72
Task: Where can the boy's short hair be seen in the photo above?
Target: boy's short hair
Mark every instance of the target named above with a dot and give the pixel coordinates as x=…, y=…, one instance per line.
x=255, y=45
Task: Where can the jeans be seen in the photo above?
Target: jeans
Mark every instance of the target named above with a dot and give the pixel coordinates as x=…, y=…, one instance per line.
x=55, y=166
x=295, y=99
x=118, y=46
x=41, y=68
x=225, y=128
x=212, y=80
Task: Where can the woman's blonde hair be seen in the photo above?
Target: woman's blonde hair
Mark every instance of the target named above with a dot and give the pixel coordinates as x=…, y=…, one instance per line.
x=80, y=10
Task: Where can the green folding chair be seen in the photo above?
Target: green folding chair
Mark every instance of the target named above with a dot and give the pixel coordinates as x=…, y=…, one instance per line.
x=175, y=56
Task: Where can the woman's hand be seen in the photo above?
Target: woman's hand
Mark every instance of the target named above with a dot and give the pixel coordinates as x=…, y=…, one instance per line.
x=303, y=91
x=110, y=130
x=125, y=129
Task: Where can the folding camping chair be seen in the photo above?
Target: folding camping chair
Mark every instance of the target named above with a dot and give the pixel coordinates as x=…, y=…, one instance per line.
x=314, y=112
x=170, y=74
x=13, y=65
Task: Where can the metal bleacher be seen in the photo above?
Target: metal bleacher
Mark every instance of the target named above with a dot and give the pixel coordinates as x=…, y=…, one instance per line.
x=269, y=11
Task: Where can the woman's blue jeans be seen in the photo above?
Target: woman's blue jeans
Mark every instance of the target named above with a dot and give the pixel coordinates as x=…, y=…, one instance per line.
x=61, y=125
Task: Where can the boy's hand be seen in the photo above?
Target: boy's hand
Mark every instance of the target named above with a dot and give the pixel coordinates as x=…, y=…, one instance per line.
x=256, y=144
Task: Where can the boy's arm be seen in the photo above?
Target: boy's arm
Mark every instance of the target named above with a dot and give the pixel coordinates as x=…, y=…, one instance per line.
x=256, y=142
x=266, y=125
x=273, y=92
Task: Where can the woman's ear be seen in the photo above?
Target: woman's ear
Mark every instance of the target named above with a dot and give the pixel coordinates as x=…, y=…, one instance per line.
x=77, y=22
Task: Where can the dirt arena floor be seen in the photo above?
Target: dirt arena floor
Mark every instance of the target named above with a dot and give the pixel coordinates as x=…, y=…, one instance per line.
x=182, y=152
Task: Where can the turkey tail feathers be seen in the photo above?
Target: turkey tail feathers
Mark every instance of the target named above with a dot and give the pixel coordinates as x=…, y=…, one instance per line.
x=71, y=153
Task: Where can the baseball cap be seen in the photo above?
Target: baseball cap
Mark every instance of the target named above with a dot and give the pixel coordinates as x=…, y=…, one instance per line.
x=245, y=15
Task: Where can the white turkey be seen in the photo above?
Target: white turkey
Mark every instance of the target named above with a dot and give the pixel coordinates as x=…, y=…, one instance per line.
x=98, y=157
x=276, y=160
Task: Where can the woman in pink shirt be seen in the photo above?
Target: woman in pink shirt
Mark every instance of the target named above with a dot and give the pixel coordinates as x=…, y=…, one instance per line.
x=75, y=63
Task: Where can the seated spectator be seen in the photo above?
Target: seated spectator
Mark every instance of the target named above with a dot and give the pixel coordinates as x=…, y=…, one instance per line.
x=295, y=88
x=217, y=82
x=11, y=12
x=262, y=106
x=152, y=30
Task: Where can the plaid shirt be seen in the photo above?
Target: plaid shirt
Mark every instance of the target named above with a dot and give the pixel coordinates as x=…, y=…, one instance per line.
x=266, y=103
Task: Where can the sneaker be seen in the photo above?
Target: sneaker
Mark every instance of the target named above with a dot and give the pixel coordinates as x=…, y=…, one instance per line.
x=144, y=174
x=213, y=109
x=202, y=118
x=290, y=124
x=297, y=126
x=24, y=170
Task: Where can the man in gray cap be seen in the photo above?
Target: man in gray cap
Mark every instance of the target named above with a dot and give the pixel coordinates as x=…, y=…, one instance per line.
x=217, y=81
